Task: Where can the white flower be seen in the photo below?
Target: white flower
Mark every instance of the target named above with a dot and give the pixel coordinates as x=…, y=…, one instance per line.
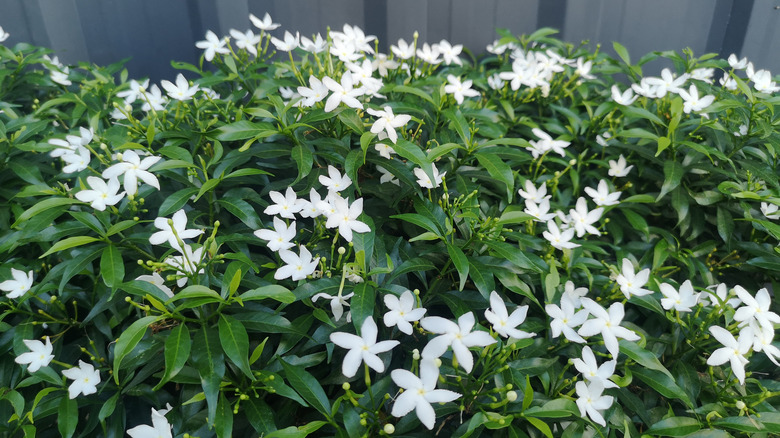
x=737, y=64
x=212, y=45
x=718, y=295
x=591, y=370
x=345, y=218
x=182, y=90
x=682, y=300
x=265, y=24
x=133, y=169
x=153, y=99
x=762, y=341
x=355, y=35
x=583, y=220
x=335, y=181
x=565, y=319
x=345, y=50
x=316, y=45
x=186, y=264
x=574, y=294
x=246, y=40
x=280, y=237
x=387, y=177
x=290, y=43
x=693, y=102
x=402, y=49
x=703, y=74
x=583, y=68
x=160, y=427
x=450, y=52
x=546, y=143
x=418, y=395
x=157, y=280
x=603, y=139
x=61, y=77
x=424, y=181
x=3, y=35
x=667, y=82
x=134, y=92
x=19, y=285
x=607, y=323
x=728, y=82
x=173, y=232
x=388, y=122
x=315, y=94
x=762, y=82
x=384, y=150
x=503, y=323
x=337, y=303
x=755, y=308
x=591, y=400
x=77, y=161
x=618, y=168
x=342, y=92
x=298, y=267
x=495, y=82
x=733, y=350
x=771, y=211
x=631, y=283
x=429, y=54
x=309, y=208
x=102, y=193
x=532, y=193
x=601, y=195
x=539, y=211
x=38, y=356
x=85, y=379
x=458, y=89
x=363, y=348
x=626, y=98
x=459, y=336
x=284, y=205
x=558, y=239
x=402, y=311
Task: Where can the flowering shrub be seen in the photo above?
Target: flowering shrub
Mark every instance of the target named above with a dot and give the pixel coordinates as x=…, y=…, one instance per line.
x=542, y=241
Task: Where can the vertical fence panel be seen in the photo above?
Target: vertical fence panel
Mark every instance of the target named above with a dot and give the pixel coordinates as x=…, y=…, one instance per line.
x=63, y=24
x=762, y=39
x=402, y=24
x=517, y=15
x=465, y=16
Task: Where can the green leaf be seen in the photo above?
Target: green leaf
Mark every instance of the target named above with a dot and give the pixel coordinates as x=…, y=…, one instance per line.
x=112, y=267
x=67, y=417
x=308, y=387
x=742, y=424
x=177, y=350
x=673, y=172
x=196, y=292
x=273, y=291
x=557, y=408
x=235, y=343
x=514, y=255
x=460, y=125
x=243, y=211
x=461, y=263
x=413, y=153
x=499, y=171
x=304, y=159
x=412, y=90
x=245, y=172
x=621, y=52
x=351, y=118
x=675, y=426
x=528, y=393
x=725, y=224
x=663, y=143
x=223, y=422
x=362, y=304
x=259, y=414
x=662, y=383
x=175, y=201
x=70, y=242
x=42, y=206
x=207, y=186
x=129, y=339
x=210, y=362
x=417, y=264
x=244, y=129
x=16, y=399
x=642, y=357
x=541, y=425
x=421, y=221
x=108, y=407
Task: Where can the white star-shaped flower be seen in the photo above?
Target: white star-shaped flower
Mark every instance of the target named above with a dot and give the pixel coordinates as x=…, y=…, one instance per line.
x=133, y=169
x=388, y=122
x=298, y=267
x=212, y=45
x=458, y=89
x=618, y=168
x=631, y=283
x=591, y=401
x=173, y=232
x=418, y=395
x=363, y=348
x=565, y=319
x=345, y=218
x=101, y=194
x=401, y=311
x=591, y=370
x=40, y=354
x=21, y=283
x=733, y=350
x=160, y=427
x=85, y=379
x=425, y=182
x=459, y=336
x=503, y=323
x=557, y=238
x=682, y=300
x=284, y=205
x=757, y=308
x=607, y=323
x=601, y=195
x=280, y=237
x=265, y=24
x=337, y=303
x=181, y=90
x=335, y=181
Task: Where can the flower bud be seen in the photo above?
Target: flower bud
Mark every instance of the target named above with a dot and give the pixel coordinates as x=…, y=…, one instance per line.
x=389, y=429
x=511, y=396
x=416, y=354
x=342, y=250
x=572, y=162
x=345, y=386
x=741, y=405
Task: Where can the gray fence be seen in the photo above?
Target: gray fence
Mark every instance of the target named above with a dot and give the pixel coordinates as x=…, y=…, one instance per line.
x=154, y=32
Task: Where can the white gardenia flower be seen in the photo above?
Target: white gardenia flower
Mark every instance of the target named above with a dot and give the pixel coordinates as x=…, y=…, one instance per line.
x=583, y=68
x=591, y=370
x=424, y=181
x=574, y=294
x=363, y=348
x=429, y=54
x=582, y=220
x=310, y=209
x=539, y=211
x=21, y=283
x=495, y=82
x=284, y=205
x=387, y=177
x=160, y=427
x=40, y=354
x=618, y=168
x=345, y=218
x=591, y=401
x=157, y=280
x=384, y=150
x=298, y=267
x=602, y=196
x=343, y=92
x=607, y=323
x=356, y=36
x=757, y=308
x=383, y=64
x=564, y=319
x=280, y=237
x=733, y=350
x=458, y=336
x=3, y=35
x=762, y=341
x=265, y=24
x=102, y=193
x=737, y=64
x=762, y=82
x=315, y=45
x=558, y=239
x=771, y=211
x=531, y=193
x=703, y=74
x=85, y=379
x=402, y=312
x=290, y=43
x=546, y=143
x=246, y=40
x=458, y=89
x=134, y=92
x=337, y=303
x=418, y=395
x=630, y=282
x=450, y=52
x=388, y=122
x=402, y=49
x=76, y=161
x=625, y=98
x=212, y=45
x=503, y=323
x=61, y=77
x=718, y=295
x=153, y=99
x=693, y=102
x=682, y=300
x=133, y=169
x=345, y=50
x=667, y=83
x=173, y=232
x=335, y=181
x=181, y=90
x=603, y=139
x=186, y=263
x=71, y=144
x=315, y=94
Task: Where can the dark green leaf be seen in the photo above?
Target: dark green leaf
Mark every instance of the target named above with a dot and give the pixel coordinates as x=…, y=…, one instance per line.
x=673, y=172
x=235, y=343
x=67, y=417
x=70, y=242
x=210, y=362
x=362, y=304
x=461, y=263
x=112, y=267
x=273, y=291
x=129, y=339
x=675, y=426
x=177, y=350
x=307, y=386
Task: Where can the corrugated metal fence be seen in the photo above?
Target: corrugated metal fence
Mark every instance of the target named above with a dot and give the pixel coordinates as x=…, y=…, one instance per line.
x=154, y=32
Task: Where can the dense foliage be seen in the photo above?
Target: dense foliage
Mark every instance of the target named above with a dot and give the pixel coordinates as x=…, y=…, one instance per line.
x=210, y=250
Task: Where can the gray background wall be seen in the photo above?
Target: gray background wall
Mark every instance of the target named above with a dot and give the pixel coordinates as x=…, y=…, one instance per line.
x=154, y=32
